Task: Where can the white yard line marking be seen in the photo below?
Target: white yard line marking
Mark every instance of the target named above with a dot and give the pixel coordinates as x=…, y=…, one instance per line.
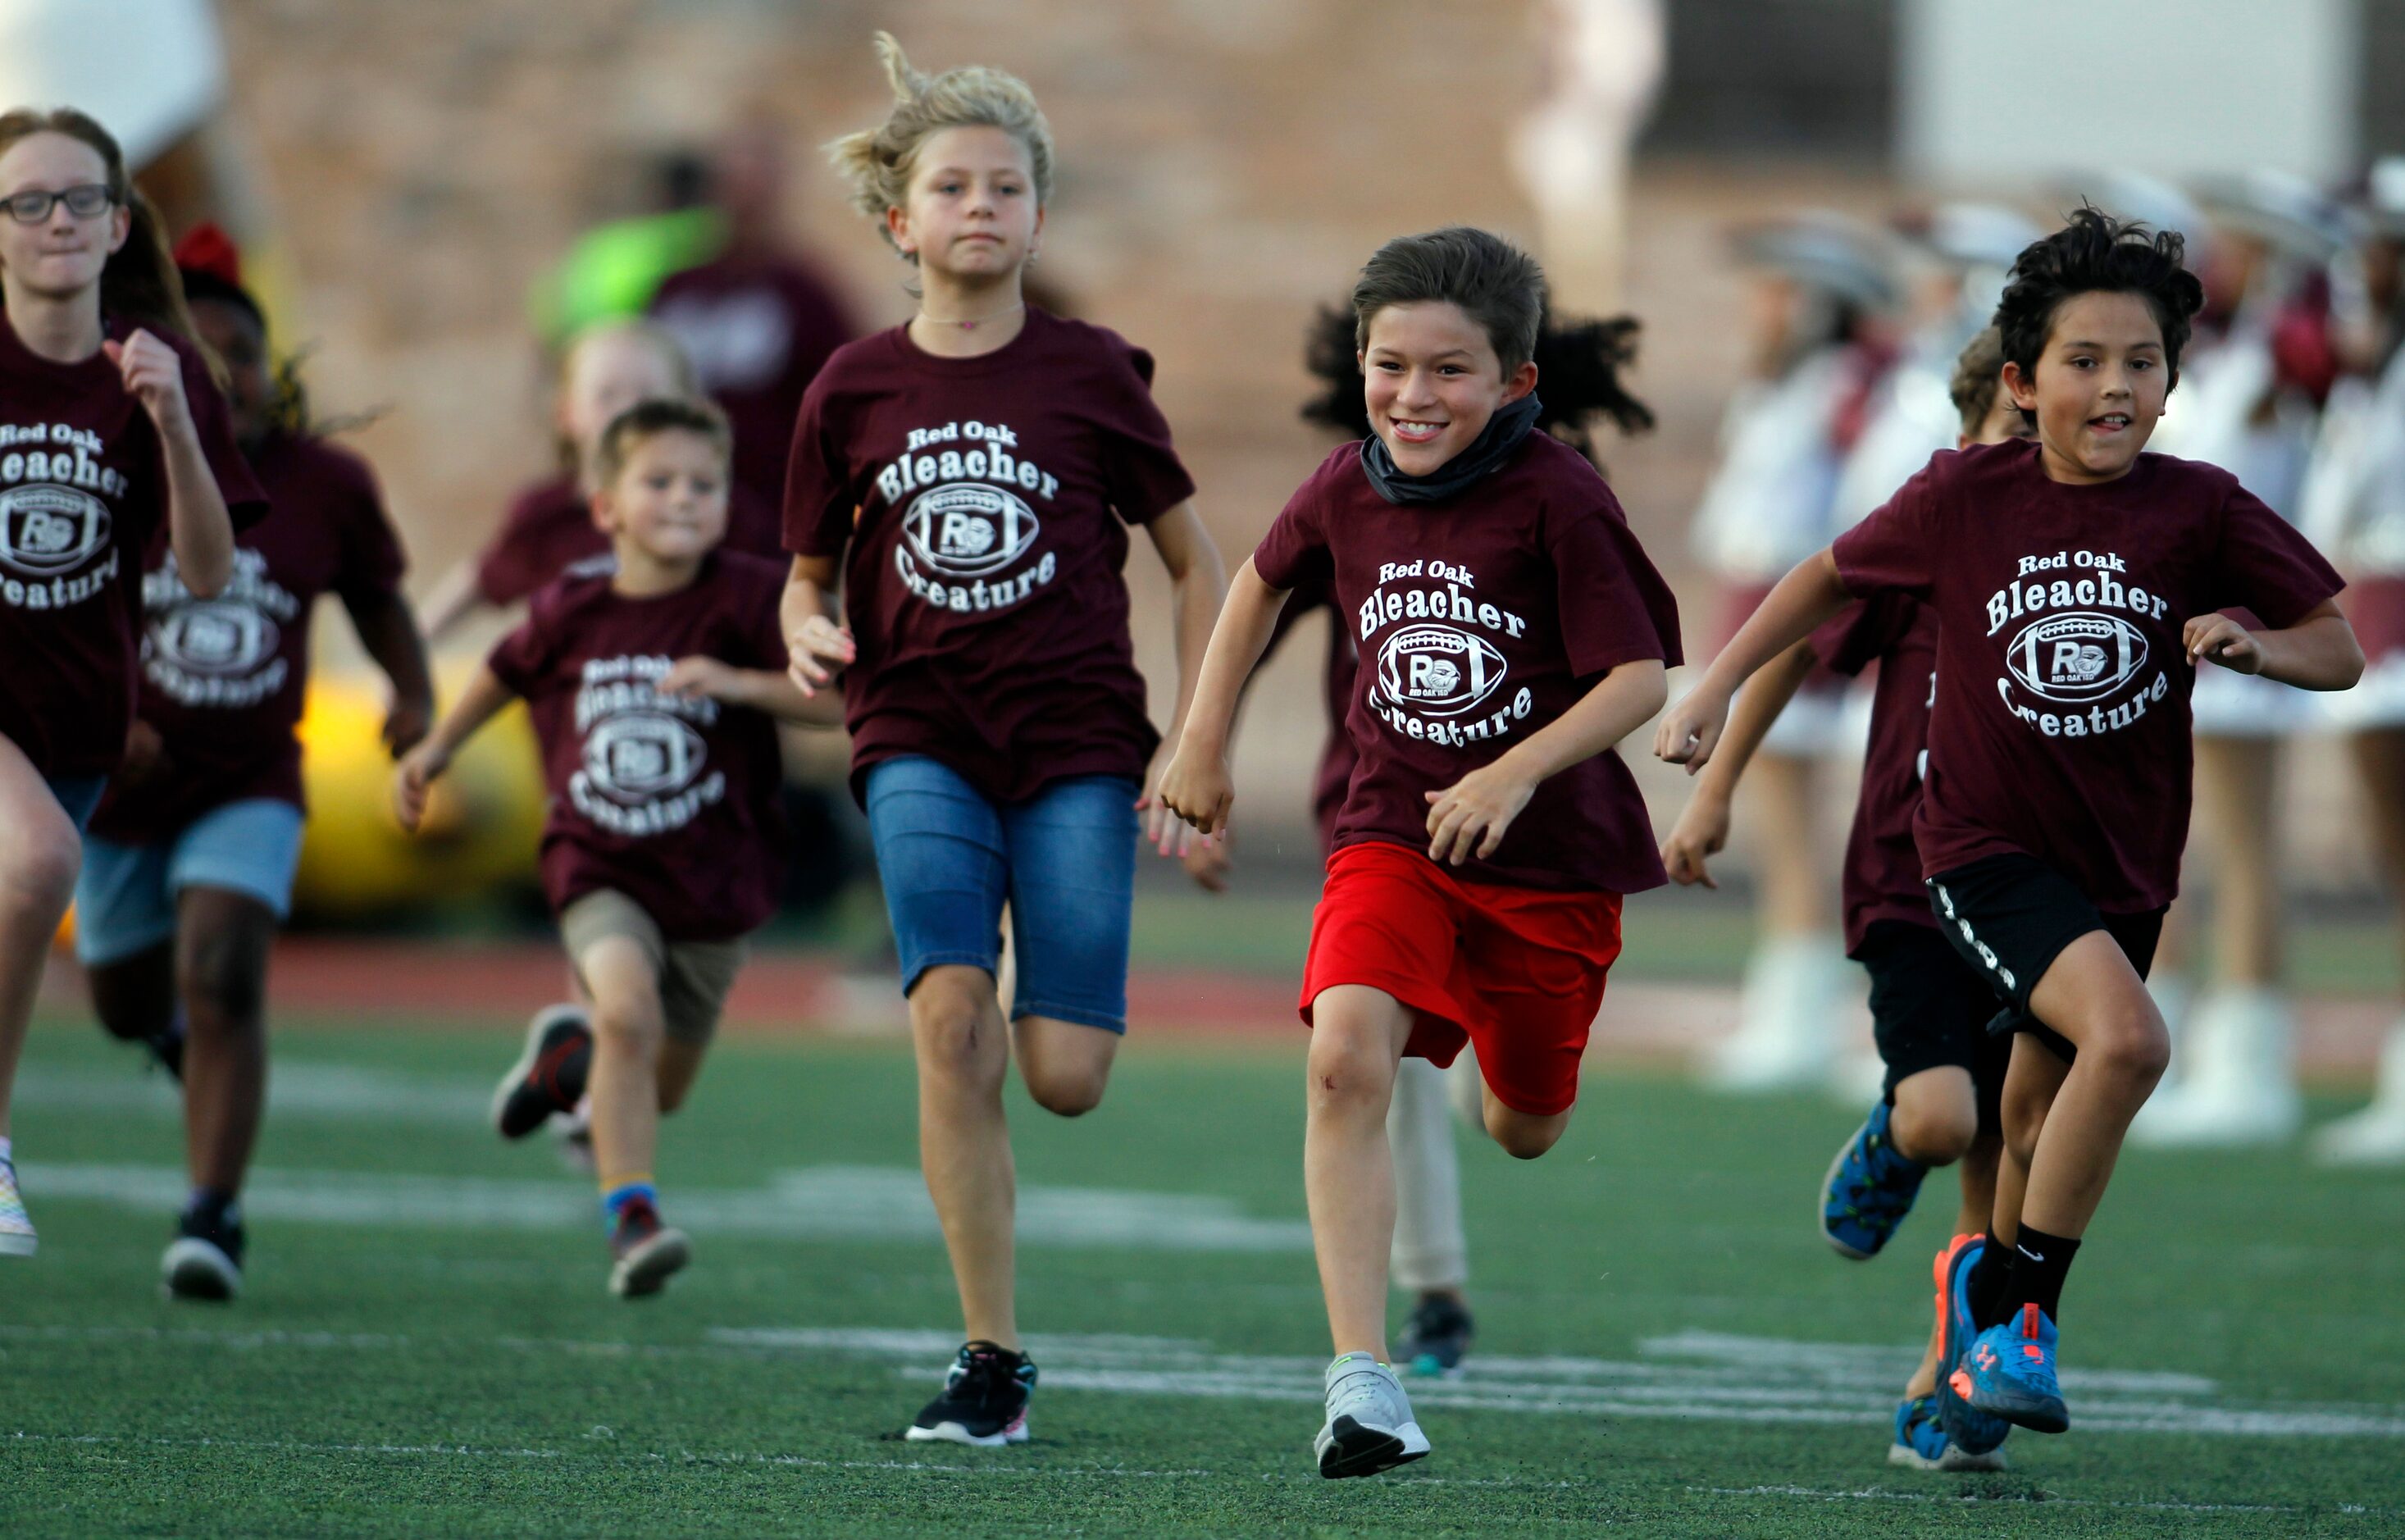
x=820, y=1202
x=315, y=1091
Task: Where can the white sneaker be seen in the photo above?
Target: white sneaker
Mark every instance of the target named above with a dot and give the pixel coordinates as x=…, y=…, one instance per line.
x=1787, y=1019
x=2376, y=1135
x=17, y=1237
x=1370, y=1427
x=2237, y=1085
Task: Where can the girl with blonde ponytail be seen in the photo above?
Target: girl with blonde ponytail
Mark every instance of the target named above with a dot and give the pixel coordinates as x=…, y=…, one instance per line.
x=972, y=477
x=110, y=427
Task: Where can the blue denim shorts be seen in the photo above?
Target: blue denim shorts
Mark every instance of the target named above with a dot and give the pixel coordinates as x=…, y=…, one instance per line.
x=78, y=795
x=125, y=900
x=1064, y=859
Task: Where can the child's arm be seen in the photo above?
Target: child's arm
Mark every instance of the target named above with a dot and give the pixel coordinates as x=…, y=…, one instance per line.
x=1198, y=584
x=1197, y=787
x=1472, y=815
x=754, y=689
x=389, y=633
x=811, y=633
x=485, y=697
x=198, y=526
x=2318, y=652
x=1703, y=829
x=1806, y=597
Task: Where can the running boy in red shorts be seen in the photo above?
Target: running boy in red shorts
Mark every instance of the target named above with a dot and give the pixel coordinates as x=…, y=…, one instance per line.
x=652, y=687
x=2077, y=584
x=1512, y=631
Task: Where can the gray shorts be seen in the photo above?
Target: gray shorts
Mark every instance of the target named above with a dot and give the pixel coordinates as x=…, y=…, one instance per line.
x=694, y=976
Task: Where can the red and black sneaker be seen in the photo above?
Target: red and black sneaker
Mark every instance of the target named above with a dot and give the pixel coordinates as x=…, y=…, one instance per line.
x=646, y=1251
x=549, y=1077
x=984, y=1401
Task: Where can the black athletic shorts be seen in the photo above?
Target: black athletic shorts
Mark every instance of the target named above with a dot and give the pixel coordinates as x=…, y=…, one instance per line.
x=2011, y=915
x=1930, y=1009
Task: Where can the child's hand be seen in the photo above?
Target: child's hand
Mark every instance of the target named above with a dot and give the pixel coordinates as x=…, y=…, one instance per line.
x=154, y=375
x=1208, y=861
x=2221, y=640
x=146, y=755
x=696, y=676
x=1690, y=728
x=1195, y=787
x=406, y=724
x=413, y=780
x=1701, y=831
x=1470, y=817
x=813, y=645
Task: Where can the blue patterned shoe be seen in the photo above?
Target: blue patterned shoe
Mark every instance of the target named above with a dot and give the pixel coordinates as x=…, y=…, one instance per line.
x=1922, y=1445
x=17, y=1238
x=1972, y=1431
x=1870, y=1189
x=2009, y=1373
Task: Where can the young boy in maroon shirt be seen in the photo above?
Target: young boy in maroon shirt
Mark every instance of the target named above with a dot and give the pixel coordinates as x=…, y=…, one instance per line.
x=1512, y=631
x=653, y=690
x=1929, y=1009
x=2076, y=582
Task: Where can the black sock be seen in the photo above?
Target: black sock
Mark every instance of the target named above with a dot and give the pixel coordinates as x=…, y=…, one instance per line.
x=213, y=1208
x=1991, y=1279
x=2039, y=1263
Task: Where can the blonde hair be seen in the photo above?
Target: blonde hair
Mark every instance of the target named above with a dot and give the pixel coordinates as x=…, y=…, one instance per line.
x=877, y=162
x=662, y=342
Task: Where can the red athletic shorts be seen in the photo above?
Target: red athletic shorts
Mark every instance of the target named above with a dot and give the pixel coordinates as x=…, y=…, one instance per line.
x=1516, y=973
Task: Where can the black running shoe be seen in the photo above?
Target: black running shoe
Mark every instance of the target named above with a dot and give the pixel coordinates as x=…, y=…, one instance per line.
x=1435, y=1337
x=549, y=1077
x=645, y=1252
x=204, y=1260
x=984, y=1401
x=167, y=1050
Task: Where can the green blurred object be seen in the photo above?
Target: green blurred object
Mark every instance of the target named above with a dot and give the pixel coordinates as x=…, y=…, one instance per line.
x=614, y=269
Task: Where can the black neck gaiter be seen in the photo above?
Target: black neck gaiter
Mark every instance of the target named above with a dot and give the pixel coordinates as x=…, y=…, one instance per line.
x=1494, y=445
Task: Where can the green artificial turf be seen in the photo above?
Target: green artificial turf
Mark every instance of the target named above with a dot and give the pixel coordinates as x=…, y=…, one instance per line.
x=425, y=1346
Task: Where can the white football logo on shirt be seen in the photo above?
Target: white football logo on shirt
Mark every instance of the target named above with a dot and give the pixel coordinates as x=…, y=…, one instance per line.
x=641, y=755
x=1437, y=670
x=968, y=529
x=47, y=528
x=216, y=637
x=2080, y=657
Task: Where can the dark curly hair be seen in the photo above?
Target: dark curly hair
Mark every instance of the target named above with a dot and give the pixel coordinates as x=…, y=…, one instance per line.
x=1578, y=378
x=2095, y=253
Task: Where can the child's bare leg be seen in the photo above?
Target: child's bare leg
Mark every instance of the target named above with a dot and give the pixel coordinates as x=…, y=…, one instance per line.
x=40, y=853
x=964, y=1050
x=1523, y=1136
x=629, y=1027
x=2030, y=1087
x=1935, y=1116
x=1066, y=1065
x=2092, y=996
x=1348, y=1173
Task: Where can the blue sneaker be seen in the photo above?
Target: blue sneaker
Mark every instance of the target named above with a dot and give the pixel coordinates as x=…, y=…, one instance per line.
x=1972, y=1430
x=2009, y=1373
x=1868, y=1190
x=1921, y=1442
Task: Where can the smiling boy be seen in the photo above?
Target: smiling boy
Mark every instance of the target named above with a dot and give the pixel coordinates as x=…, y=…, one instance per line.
x=1511, y=631
x=2076, y=582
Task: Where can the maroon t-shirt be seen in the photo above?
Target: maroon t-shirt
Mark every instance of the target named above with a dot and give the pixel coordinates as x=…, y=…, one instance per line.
x=548, y=533
x=668, y=801
x=758, y=331
x=1481, y=619
x=83, y=487
x=2060, y=728
x=984, y=586
x=1340, y=670
x=1899, y=635
x=224, y=679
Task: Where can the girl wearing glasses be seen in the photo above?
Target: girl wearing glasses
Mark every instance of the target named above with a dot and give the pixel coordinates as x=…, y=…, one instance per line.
x=111, y=429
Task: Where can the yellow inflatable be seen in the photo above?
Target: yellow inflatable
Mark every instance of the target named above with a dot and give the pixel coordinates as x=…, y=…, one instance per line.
x=481, y=827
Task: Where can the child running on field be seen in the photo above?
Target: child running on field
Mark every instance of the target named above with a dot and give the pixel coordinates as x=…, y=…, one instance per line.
x=2076, y=582
x=187, y=870
x=970, y=476
x=652, y=689
x=548, y=531
x=111, y=432
x=1512, y=631
x=1929, y=1009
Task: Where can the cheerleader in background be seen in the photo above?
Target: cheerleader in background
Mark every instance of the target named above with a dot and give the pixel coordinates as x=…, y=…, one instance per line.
x=2252, y=406
x=2354, y=507
x=1823, y=285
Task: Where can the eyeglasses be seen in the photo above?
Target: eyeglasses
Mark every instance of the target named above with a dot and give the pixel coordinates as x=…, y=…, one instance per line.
x=91, y=199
